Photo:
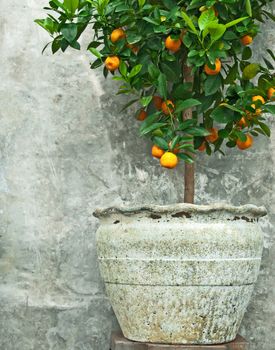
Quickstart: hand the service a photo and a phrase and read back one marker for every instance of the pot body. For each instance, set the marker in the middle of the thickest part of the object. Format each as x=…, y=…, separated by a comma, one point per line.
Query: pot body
x=180, y=274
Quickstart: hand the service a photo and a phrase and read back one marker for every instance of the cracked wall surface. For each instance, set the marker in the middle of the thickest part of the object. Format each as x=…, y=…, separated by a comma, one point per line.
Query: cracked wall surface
x=66, y=149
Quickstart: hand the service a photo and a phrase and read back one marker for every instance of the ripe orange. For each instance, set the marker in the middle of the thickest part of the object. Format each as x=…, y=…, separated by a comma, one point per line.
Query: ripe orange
x=258, y=98
x=245, y=144
x=215, y=71
x=246, y=40
x=258, y=111
x=117, y=35
x=213, y=136
x=271, y=93
x=142, y=115
x=172, y=45
x=202, y=147
x=242, y=123
x=157, y=152
x=157, y=102
x=112, y=63
x=169, y=160
x=167, y=107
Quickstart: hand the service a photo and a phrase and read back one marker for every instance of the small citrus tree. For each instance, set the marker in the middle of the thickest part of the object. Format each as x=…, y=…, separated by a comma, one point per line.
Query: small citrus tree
x=187, y=64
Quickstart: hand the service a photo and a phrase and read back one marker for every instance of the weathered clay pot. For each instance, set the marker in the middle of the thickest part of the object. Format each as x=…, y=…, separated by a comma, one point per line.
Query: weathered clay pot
x=180, y=273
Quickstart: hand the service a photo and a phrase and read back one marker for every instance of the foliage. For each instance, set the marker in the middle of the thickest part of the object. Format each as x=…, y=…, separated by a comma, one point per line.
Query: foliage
x=208, y=30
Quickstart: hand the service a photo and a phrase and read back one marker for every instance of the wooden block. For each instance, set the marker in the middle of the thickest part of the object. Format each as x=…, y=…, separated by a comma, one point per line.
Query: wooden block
x=119, y=342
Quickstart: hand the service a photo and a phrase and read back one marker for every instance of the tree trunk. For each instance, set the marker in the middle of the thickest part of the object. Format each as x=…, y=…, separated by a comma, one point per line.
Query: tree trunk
x=189, y=172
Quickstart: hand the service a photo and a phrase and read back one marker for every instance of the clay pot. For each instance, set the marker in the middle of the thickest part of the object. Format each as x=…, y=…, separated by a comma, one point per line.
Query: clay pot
x=180, y=274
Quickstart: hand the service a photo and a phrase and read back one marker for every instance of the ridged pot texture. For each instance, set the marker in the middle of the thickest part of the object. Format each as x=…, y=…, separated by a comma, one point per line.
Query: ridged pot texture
x=180, y=274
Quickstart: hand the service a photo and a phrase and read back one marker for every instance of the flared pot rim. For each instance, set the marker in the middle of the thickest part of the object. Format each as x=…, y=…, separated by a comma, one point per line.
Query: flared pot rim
x=249, y=210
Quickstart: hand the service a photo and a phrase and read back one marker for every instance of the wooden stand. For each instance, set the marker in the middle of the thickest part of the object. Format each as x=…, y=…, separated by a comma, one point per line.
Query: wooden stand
x=121, y=343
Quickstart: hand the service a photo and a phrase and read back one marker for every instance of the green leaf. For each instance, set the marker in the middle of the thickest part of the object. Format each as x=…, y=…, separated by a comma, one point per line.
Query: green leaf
x=133, y=37
x=129, y=104
x=248, y=7
x=161, y=142
x=48, y=24
x=174, y=142
x=186, y=124
x=247, y=53
x=212, y=84
x=153, y=71
x=135, y=70
x=123, y=68
x=151, y=128
x=236, y=21
x=216, y=30
x=146, y=100
x=169, y=72
x=232, y=74
x=235, y=109
x=69, y=31
x=240, y=135
x=222, y=115
x=162, y=85
x=97, y=63
x=182, y=105
x=151, y=20
x=205, y=18
x=149, y=120
x=189, y=22
x=71, y=5
x=197, y=131
x=186, y=157
x=269, y=109
x=95, y=52
x=265, y=128
x=141, y=3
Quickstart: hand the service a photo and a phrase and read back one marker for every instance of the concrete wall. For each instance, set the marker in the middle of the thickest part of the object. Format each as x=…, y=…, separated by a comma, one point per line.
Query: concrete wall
x=65, y=149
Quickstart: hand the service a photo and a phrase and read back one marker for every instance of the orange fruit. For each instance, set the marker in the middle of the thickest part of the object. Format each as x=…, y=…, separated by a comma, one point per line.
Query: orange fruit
x=246, y=40
x=242, y=123
x=169, y=160
x=117, y=35
x=258, y=111
x=172, y=44
x=112, y=63
x=258, y=98
x=271, y=93
x=215, y=71
x=213, y=135
x=157, y=102
x=245, y=144
x=202, y=147
x=142, y=115
x=167, y=107
x=157, y=152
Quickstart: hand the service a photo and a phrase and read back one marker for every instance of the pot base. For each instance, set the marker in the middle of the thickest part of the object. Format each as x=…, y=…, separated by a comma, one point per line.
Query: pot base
x=119, y=342
x=179, y=314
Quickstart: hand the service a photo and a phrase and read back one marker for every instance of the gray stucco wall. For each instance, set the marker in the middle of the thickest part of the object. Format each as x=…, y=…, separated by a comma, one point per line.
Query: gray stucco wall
x=65, y=149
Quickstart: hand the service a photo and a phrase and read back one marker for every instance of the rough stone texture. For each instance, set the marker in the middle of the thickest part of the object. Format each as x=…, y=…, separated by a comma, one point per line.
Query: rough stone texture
x=180, y=273
x=65, y=149
x=121, y=343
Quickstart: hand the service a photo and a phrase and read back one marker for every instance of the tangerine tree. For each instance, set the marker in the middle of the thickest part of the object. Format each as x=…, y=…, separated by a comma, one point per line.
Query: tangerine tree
x=188, y=66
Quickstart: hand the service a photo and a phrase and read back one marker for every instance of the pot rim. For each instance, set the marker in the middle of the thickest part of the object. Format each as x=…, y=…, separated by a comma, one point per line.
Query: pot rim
x=250, y=210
